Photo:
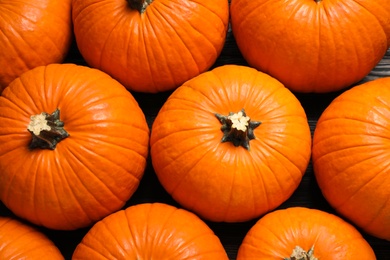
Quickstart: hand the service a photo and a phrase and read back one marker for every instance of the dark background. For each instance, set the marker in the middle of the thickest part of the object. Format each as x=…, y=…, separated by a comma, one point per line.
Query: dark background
x=231, y=235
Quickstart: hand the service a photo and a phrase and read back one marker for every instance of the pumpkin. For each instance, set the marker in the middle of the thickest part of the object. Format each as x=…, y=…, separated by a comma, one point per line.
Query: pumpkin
x=74, y=144
x=150, y=46
x=19, y=240
x=351, y=155
x=230, y=144
x=150, y=231
x=33, y=33
x=312, y=46
x=299, y=233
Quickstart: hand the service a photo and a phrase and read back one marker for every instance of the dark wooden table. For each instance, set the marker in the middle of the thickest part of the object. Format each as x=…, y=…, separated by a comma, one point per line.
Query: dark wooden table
x=231, y=235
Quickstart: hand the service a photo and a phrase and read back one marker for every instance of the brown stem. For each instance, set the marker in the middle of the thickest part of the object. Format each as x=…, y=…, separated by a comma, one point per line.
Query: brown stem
x=300, y=254
x=139, y=5
x=47, y=130
x=237, y=128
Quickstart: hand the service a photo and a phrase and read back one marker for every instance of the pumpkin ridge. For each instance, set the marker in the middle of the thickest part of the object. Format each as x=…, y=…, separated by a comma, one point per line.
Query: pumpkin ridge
x=159, y=44
x=374, y=16
x=88, y=167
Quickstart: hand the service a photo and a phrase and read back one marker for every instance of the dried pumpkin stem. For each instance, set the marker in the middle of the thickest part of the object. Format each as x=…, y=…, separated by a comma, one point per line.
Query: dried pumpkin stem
x=300, y=254
x=139, y=5
x=47, y=130
x=237, y=128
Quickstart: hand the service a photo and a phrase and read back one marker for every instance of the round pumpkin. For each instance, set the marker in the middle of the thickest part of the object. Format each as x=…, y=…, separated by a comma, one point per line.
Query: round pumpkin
x=150, y=231
x=299, y=233
x=230, y=144
x=19, y=240
x=312, y=46
x=351, y=154
x=73, y=148
x=33, y=33
x=151, y=45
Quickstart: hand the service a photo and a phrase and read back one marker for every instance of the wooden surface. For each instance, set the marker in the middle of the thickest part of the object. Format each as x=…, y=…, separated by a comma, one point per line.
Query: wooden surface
x=231, y=235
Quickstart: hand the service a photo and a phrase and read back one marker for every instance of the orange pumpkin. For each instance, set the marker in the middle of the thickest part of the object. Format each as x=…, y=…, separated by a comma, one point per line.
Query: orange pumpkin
x=73, y=148
x=351, y=155
x=312, y=46
x=150, y=231
x=151, y=46
x=33, y=33
x=299, y=233
x=231, y=144
x=18, y=240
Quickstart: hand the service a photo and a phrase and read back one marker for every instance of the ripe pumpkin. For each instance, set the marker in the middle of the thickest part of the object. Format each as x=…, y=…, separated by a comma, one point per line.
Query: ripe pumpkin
x=18, y=240
x=33, y=33
x=230, y=144
x=151, y=45
x=312, y=46
x=299, y=233
x=73, y=148
x=150, y=231
x=351, y=155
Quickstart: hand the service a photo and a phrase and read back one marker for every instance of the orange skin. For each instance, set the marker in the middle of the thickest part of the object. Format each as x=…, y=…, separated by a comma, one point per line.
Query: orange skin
x=21, y=241
x=312, y=46
x=150, y=231
x=351, y=155
x=33, y=33
x=276, y=234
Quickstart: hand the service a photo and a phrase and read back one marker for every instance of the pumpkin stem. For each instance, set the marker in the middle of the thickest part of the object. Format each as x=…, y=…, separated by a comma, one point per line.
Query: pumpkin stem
x=300, y=254
x=47, y=130
x=139, y=5
x=237, y=128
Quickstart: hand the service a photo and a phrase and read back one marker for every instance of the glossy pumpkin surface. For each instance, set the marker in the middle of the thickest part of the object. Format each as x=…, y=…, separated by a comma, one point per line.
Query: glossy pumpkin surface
x=33, y=33
x=151, y=45
x=93, y=170
x=312, y=46
x=216, y=175
x=303, y=233
x=150, y=231
x=351, y=155
x=21, y=241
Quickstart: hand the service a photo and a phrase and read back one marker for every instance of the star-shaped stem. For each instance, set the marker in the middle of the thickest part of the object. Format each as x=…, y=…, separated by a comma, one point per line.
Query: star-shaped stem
x=47, y=130
x=237, y=128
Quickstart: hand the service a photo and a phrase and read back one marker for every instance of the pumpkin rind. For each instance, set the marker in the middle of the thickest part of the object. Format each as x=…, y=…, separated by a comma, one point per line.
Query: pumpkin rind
x=217, y=180
x=33, y=33
x=150, y=231
x=351, y=154
x=89, y=174
x=312, y=46
x=18, y=240
x=327, y=236
x=153, y=51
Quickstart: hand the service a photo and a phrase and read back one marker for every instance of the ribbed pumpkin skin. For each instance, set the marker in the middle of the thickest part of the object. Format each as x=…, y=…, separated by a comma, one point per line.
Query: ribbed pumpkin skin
x=276, y=234
x=91, y=173
x=351, y=154
x=219, y=181
x=20, y=241
x=312, y=46
x=33, y=33
x=158, y=50
x=150, y=231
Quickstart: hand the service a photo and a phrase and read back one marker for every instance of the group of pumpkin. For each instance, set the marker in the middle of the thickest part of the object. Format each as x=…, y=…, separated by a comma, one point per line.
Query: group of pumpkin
x=230, y=144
